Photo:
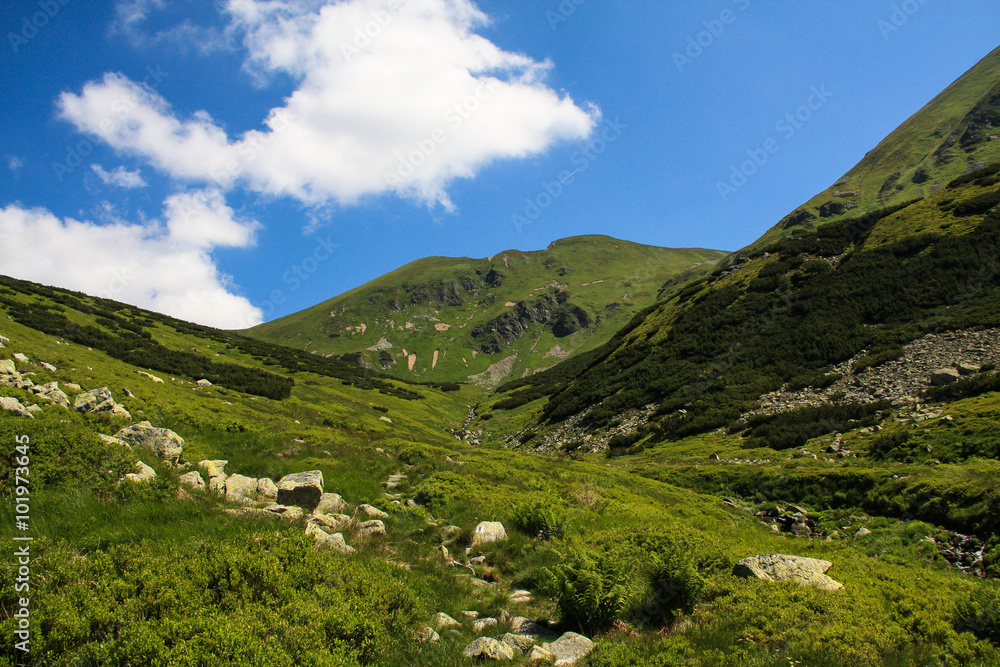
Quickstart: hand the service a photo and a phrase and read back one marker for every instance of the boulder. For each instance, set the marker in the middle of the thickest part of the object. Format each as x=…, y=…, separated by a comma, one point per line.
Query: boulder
x=488, y=648
x=49, y=367
x=488, y=531
x=72, y=386
x=13, y=405
x=481, y=624
x=7, y=367
x=22, y=358
x=523, y=626
x=441, y=621
x=373, y=527
x=215, y=468
x=944, y=376
x=240, y=489
x=303, y=489
x=779, y=567
x=335, y=541
x=113, y=409
x=204, y=383
x=540, y=654
x=89, y=400
x=267, y=489
x=427, y=634
x=163, y=442
x=52, y=393
x=520, y=642
x=329, y=522
x=193, y=479
x=151, y=377
x=143, y=473
x=111, y=440
x=520, y=597
x=862, y=532
x=570, y=648
x=284, y=511
x=967, y=368
x=372, y=512
x=331, y=503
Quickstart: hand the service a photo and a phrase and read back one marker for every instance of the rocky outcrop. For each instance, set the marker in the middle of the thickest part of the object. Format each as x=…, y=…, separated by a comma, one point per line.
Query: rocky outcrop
x=303, y=489
x=779, y=567
x=335, y=542
x=163, y=442
x=953, y=355
x=442, y=621
x=13, y=405
x=216, y=473
x=560, y=317
x=240, y=489
x=267, y=489
x=193, y=479
x=100, y=400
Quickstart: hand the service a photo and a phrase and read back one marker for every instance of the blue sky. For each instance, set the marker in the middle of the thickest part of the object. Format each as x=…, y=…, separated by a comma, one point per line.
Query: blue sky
x=236, y=161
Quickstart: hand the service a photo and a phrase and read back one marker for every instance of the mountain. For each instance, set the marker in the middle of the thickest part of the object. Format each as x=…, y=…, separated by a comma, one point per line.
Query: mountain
x=785, y=458
x=481, y=320
x=957, y=132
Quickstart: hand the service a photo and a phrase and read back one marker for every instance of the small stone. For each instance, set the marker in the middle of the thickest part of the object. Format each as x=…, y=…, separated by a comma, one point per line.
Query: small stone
x=488, y=531
x=570, y=648
x=331, y=503
x=862, y=532
x=143, y=473
x=373, y=512
x=193, y=479
x=427, y=634
x=373, y=527
x=483, y=623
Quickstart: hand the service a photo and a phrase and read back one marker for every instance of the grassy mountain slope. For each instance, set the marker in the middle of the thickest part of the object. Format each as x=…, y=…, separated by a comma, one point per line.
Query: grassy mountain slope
x=957, y=132
x=461, y=316
x=159, y=573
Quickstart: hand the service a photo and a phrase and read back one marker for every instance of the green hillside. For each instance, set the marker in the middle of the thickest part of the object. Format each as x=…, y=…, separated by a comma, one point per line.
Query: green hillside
x=448, y=319
x=957, y=132
x=127, y=572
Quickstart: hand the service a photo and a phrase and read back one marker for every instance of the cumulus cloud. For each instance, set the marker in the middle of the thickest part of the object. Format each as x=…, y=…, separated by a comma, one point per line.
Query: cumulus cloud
x=119, y=177
x=131, y=16
x=165, y=266
x=391, y=97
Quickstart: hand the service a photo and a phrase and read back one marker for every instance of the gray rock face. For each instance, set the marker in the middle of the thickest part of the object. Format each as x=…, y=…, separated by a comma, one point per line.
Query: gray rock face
x=143, y=473
x=335, y=541
x=22, y=358
x=520, y=642
x=193, y=479
x=522, y=626
x=51, y=392
x=7, y=367
x=488, y=531
x=303, y=489
x=373, y=527
x=329, y=522
x=944, y=376
x=89, y=400
x=13, y=405
x=539, y=654
x=163, y=442
x=290, y=513
x=49, y=367
x=442, y=621
x=331, y=503
x=373, y=512
x=240, y=489
x=779, y=567
x=488, y=648
x=570, y=648
x=267, y=489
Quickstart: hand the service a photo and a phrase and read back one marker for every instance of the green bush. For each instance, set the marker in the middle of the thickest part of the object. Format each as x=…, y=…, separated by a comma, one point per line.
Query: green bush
x=538, y=519
x=675, y=586
x=979, y=614
x=591, y=588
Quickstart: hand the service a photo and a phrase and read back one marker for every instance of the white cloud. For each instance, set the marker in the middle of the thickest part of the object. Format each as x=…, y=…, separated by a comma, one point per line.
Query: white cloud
x=391, y=97
x=119, y=177
x=131, y=16
x=163, y=266
x=14, y=163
